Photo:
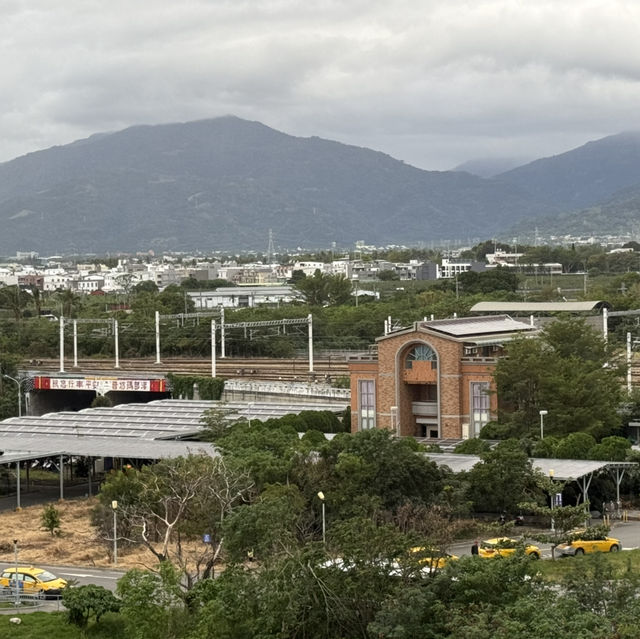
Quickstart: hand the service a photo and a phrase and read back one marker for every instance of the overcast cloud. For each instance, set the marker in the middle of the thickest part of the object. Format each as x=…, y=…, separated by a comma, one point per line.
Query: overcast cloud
x=431, y=82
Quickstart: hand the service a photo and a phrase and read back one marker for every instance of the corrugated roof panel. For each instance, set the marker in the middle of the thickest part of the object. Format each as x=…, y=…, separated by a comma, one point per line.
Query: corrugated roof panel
x=469, y=326
x=538, y=307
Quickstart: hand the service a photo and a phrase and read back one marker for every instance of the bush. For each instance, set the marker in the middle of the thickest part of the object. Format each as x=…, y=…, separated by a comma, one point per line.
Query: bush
x=208, y=387
x=84, y=602
x=495, y=430
x=50, y=519
x=472, y=446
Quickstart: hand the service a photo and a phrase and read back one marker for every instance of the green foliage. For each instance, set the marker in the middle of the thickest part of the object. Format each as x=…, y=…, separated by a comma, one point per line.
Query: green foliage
x=498, y=279
x=564, y=373
x=208, y=387
x=346, y=420
x=153, y=604
x=590, y=533
x=575, y=446
x=323, y=289
x=50, y=519
x=84, y=602
x=611, y=449
x=499, y=481
x=472, y=446
x=101, y=400
x=270, y=526
x=372, y=470
x=496, y=430
x=547, y=447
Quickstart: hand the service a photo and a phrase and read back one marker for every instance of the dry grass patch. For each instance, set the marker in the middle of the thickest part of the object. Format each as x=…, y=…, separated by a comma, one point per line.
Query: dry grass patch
x=77, y=544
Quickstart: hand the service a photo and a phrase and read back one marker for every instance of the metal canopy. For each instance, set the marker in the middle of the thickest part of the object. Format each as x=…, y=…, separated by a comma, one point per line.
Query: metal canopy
x=563, y=469
x=159, y=420
x=20, y=448
x=538, y=307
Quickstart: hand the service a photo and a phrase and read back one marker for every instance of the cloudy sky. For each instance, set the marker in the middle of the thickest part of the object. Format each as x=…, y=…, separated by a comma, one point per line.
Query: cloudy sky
x=431, y=82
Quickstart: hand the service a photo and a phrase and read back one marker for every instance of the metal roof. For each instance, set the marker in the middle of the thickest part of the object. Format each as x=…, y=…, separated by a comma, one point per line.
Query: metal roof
x=563, y=469
x=29, y=448
x=134, y=424
x=538, y=307
x=477, y=326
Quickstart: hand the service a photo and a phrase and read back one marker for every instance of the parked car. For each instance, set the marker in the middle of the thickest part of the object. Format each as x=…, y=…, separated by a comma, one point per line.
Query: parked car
x=33, y=581
x=504, y=547
x=581, y=542
x=432, y=558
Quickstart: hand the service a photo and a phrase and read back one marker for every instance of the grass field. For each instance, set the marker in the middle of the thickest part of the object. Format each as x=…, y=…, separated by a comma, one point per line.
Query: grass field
x=555, y=571
x=52, y=625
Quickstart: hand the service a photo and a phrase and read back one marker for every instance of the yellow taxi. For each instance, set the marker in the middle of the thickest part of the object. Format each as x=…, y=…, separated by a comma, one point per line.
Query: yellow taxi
x=432, y=558
x=33, y=581
x=504, y=547
x=584, y=541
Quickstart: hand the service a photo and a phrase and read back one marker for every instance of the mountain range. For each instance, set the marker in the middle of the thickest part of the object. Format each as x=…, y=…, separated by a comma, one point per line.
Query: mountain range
x=223, y=183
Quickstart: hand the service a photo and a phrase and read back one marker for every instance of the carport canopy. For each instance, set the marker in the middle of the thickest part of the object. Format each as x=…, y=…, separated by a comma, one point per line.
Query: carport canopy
x=580, y=471
x=18, y=449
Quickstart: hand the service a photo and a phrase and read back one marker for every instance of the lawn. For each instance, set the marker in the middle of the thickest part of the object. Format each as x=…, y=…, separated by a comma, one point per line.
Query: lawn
x=555, y=571
x=52, y=625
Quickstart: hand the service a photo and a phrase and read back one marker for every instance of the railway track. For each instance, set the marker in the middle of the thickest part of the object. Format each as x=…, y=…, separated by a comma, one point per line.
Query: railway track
x=265, y=369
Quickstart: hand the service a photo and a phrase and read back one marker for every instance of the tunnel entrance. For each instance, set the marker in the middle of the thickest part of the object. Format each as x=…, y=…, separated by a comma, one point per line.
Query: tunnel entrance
x=74, y=393
x=55, y=401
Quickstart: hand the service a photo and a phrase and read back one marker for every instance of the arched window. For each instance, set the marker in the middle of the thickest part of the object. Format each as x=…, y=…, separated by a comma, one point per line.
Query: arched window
x=421, y=353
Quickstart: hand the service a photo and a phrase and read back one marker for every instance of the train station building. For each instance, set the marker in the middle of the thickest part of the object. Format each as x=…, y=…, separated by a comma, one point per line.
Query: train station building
x=435, y=379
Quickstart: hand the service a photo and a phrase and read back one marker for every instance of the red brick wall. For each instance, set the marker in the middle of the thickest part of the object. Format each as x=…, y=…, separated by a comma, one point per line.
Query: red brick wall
x=454, y=377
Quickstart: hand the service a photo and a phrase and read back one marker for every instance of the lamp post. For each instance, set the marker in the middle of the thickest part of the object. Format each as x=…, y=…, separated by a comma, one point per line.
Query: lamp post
x=19, y=383
x=553, y=497
x=15, y=574
x=114, y=507
x=324, y=521
x=542, y=414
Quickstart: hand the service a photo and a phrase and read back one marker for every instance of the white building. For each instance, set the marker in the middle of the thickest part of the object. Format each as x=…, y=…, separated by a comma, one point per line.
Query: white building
x=243, y=296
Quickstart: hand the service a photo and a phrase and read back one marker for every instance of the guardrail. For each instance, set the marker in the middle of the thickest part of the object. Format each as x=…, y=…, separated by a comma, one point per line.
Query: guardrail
x=10, y=599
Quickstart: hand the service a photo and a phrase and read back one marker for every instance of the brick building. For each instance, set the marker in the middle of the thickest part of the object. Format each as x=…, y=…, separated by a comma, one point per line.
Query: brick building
x=434, y=379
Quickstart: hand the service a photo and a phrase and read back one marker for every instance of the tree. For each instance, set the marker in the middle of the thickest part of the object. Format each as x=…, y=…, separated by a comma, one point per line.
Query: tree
x=153, y=604
x=147, y=286
x=50, y=519
x=564, y=372
x=84, y=602
x=184, y=496
x=371, y=471
x=499, y=481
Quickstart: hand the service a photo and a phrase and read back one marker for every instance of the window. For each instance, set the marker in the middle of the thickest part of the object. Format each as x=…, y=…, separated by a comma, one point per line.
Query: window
x=480, y=407
x=421, y=353
x=367, y=404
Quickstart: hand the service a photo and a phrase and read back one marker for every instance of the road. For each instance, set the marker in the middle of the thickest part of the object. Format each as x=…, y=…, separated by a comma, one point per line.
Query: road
x=627, y=532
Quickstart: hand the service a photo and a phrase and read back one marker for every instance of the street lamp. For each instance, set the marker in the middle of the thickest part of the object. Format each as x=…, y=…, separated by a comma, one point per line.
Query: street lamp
x=15, y=574
x=114, y=507
x=542, y=414
x=324, y=521
x=553, y=497
x=19, y=383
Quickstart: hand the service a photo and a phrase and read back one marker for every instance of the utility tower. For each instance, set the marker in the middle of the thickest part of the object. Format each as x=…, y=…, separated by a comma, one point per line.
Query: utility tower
x=270, y=249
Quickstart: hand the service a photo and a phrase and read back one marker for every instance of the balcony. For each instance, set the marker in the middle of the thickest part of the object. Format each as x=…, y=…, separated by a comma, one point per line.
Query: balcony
x=424, y=409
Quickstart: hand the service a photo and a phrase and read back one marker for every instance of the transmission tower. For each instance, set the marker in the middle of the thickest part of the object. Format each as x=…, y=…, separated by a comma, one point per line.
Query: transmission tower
x=270, y=249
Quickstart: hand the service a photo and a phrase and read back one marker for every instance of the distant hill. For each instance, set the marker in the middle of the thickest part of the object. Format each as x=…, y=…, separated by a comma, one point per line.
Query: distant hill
x=223, y=183
x=583, y=177
x=489, y=167
x=617, y=216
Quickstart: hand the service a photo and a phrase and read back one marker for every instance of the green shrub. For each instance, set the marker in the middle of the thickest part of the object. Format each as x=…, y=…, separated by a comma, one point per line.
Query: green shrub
x=84, y=602
x=208, y=387
x=472, y=446
x=50, y=519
